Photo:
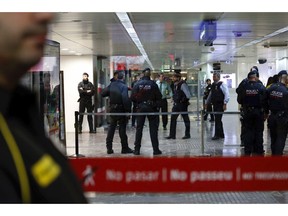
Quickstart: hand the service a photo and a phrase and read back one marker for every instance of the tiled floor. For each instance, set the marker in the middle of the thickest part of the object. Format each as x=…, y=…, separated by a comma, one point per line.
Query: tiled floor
x=93, y=145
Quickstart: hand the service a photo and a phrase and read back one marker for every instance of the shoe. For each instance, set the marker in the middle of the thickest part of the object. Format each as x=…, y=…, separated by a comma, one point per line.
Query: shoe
x=136, y=152
x=126, y=151
x=93, y=131
x=110, y=151
x=164, y=128
x=169, y=137
x=186, y=137
x=215, y=138
x=222, y=136
x=157, y=152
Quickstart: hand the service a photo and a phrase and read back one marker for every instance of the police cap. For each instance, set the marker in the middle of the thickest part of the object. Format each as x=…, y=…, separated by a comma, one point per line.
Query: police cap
x=254, y=68
x=252, y=74
x=282, y=72
x=146, y=70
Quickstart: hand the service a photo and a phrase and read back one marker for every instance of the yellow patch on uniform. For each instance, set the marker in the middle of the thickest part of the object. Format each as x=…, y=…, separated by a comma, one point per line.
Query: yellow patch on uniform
x=45, y=170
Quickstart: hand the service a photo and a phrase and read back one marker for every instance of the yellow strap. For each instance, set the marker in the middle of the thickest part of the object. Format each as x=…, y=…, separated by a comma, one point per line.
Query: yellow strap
x=18, y=160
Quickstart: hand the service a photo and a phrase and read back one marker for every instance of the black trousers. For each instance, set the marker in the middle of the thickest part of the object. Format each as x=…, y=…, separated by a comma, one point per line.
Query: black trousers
x=164, y=108
x=114, y=121
x=253, y=122
x=278, y=132
x=134, y=110
x=179, y=107
x=153, y=127
x=219, y=132
x=82, y=106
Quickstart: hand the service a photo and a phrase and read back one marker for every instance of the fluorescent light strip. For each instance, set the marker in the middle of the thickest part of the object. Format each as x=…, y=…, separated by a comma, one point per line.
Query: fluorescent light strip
x=125, y=21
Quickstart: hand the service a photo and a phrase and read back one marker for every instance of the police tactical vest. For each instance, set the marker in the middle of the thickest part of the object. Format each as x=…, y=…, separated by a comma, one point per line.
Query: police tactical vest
x=179, y=95
x=217, y=96
x=252, y=96
x=277, y=97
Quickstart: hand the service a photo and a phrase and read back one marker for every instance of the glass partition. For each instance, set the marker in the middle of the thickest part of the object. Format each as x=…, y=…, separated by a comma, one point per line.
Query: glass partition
x=44, y=80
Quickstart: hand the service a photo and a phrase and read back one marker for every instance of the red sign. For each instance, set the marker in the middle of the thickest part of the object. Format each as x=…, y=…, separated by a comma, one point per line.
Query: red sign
x=182, y=174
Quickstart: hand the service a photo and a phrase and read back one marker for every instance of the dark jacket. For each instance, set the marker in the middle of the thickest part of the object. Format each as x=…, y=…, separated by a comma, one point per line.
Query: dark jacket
x=277, y=95
x=50, y=177
x=146, y=90
x=117, y=91
x=252, y=94
x=83, y=88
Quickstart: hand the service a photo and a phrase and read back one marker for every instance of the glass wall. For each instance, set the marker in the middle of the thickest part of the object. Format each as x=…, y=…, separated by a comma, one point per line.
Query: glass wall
x=44, y=80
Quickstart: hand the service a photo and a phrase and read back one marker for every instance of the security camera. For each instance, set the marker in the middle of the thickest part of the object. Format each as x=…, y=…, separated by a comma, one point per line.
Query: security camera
x=237, y=34
x=262, y=60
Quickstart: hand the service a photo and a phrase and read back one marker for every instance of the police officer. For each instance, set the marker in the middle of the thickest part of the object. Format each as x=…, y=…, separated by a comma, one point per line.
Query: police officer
x=252, y=98
x=86, y=91
x=209, y=106
x=119, y=103
x=278, y=118
x=238, y=89
x=147, y=96
x=181, y=98
x=219, y=97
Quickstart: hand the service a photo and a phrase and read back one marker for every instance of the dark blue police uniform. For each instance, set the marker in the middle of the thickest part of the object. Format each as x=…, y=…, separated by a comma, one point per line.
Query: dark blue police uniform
x=252, y=97
x=147, y=96
x=278, y=118
x=119, y=103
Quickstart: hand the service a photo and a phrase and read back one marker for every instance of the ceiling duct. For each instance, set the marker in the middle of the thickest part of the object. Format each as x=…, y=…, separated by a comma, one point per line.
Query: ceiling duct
x=275, y=44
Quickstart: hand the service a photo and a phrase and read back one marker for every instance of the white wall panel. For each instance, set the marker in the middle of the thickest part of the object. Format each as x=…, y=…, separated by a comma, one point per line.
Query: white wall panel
x=74, y=67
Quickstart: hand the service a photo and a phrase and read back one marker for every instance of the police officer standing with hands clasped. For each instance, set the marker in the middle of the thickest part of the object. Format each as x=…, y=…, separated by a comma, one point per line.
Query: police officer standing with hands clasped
x=252, y=97
x=147, y=96
x=278, y=119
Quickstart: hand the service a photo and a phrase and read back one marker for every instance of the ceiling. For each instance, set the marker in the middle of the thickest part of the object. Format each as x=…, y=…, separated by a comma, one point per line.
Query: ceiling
x=166, y=35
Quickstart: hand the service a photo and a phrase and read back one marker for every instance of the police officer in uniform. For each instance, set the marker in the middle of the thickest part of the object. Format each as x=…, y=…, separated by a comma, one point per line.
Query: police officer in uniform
x=278, y=118
x=147, y=96
x=219, y=97
x=252, y=98
x=181, y=98
x=238, y=89
x=86, y=91
x=120, y=102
